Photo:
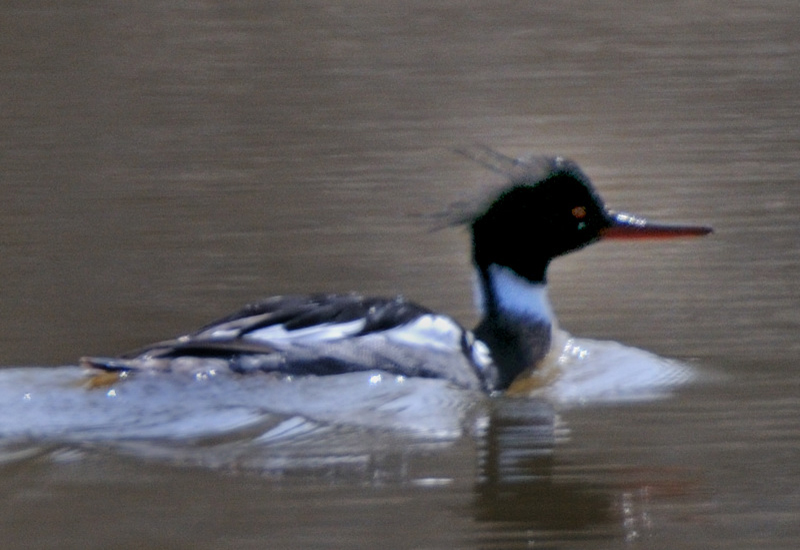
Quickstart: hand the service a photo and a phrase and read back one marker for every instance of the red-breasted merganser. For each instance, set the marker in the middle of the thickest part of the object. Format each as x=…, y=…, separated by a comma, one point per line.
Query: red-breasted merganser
x=548, y=208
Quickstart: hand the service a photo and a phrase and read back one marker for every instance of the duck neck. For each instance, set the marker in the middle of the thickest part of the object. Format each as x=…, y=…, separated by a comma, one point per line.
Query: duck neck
x=517, y=320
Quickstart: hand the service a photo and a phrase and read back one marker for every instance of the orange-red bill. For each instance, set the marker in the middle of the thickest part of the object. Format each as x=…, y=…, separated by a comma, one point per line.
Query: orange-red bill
x=625, y=226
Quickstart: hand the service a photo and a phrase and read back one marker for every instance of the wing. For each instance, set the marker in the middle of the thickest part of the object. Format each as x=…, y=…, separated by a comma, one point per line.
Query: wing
x=321, y=335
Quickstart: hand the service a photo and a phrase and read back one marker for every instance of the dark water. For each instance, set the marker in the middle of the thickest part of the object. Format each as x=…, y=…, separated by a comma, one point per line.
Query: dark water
x=163, y=163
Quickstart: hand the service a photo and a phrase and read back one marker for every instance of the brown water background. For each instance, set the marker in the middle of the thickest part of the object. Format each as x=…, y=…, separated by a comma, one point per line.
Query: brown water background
x=162, y=163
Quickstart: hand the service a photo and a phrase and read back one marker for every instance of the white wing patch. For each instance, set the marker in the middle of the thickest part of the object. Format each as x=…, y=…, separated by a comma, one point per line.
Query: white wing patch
x=217, y=334
x=430, y=331
x=278, y=335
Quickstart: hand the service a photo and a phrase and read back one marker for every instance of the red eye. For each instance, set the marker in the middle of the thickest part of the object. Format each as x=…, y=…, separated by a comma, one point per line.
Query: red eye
x=579, y=212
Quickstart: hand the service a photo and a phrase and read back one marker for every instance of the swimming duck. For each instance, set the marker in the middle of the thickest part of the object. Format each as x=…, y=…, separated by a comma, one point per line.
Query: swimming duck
x=547, y=208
